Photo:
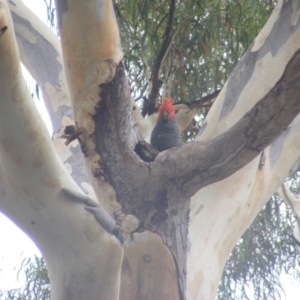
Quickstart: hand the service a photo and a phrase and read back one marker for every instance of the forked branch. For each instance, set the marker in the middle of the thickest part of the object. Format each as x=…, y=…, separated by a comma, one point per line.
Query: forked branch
x=195, y=165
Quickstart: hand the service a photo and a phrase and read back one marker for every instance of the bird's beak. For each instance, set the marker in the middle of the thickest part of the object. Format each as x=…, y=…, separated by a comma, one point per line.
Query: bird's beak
x=165, y=115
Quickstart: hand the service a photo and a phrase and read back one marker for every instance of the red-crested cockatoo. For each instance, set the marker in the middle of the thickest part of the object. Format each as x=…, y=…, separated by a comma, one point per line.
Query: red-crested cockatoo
x=165, y=134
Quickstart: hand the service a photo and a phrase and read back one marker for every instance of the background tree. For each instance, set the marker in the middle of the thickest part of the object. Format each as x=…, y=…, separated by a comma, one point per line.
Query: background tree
x=37, y=285
x=164, y=206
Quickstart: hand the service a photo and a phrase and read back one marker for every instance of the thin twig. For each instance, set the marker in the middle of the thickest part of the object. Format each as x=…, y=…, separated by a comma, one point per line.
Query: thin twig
x=198, y=103
x=149, y=105
x=191, y=128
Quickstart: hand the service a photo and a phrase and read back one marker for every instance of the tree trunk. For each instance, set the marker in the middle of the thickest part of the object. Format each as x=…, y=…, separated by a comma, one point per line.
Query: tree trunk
x=181, y=212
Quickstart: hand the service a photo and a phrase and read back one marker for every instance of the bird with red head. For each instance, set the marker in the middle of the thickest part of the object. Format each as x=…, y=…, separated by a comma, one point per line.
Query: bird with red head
x=165, y=134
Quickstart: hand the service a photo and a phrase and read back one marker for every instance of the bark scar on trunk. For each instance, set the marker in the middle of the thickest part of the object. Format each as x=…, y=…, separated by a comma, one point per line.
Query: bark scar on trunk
x=3, y=29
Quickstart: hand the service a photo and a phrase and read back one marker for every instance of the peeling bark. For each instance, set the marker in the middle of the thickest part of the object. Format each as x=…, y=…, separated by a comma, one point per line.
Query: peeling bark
x=147, y=194
x=40, y=52
x=177, y=174
x=224, y=210
x=65, y=233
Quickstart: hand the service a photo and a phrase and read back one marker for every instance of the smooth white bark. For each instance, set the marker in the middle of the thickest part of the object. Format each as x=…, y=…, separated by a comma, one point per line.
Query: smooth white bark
x=294, y=202
x=221, y=212
x=76, y=248
x=40, y=52
x=67, y=235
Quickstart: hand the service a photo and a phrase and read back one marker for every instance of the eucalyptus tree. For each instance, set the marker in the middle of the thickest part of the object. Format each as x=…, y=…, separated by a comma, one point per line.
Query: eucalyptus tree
x=123, y=221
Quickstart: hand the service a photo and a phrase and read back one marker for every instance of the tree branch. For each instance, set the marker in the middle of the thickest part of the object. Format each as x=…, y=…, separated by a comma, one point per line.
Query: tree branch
x=101, y=215
x=111, y=138
x=149, y=104
x=58, y=227
x=42, y=57
x=197, y=103
x=294, y=204
x=195, y=165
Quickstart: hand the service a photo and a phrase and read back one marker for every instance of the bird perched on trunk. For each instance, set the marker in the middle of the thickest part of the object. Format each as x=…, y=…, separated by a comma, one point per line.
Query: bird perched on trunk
x=165, y=134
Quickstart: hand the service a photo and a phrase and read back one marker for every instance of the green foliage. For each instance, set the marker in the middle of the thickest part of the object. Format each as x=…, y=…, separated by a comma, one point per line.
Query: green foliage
x=37, y=284
x=51, y=14
x=265, y=251
x=208, y=38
